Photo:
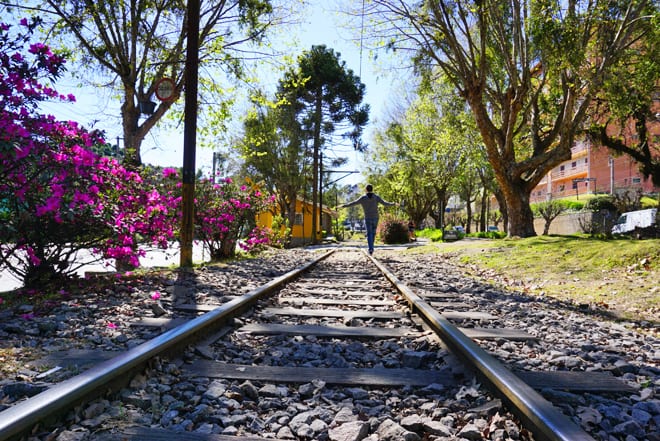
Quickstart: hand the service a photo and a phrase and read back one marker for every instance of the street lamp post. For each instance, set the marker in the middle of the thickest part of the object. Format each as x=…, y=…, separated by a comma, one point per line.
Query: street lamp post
x=610, y=161
x=577, y=181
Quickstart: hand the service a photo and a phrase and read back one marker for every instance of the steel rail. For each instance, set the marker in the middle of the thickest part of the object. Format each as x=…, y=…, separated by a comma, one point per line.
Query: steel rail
x=545, y=421
x=21, y=417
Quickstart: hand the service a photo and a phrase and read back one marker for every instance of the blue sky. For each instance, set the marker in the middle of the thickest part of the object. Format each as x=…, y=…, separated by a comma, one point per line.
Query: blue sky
x=96, y=108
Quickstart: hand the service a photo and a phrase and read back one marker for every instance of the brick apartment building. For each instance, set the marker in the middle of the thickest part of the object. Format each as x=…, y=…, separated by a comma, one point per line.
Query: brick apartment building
x=593, y=169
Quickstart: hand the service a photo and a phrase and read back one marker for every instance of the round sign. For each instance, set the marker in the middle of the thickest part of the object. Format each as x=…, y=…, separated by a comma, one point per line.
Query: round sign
x=165, y=89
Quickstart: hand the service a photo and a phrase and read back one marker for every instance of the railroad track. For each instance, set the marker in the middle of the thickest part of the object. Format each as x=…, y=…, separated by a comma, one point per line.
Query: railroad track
x=342, y=326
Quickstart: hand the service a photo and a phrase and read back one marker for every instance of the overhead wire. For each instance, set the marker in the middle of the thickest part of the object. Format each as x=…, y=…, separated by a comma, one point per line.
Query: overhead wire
x=361, y=36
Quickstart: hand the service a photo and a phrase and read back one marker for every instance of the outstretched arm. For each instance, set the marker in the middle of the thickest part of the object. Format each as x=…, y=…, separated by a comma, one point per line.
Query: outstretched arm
x=384, y=202
x=350, y=204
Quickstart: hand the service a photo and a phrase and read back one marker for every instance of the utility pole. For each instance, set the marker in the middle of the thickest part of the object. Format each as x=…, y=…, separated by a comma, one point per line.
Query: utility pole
x=328, y=184
x=320, y=192
x=189, y=136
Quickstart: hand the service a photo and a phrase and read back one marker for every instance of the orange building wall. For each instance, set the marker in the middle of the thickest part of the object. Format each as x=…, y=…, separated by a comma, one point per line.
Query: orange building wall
x=599, y=170
x=300, y=230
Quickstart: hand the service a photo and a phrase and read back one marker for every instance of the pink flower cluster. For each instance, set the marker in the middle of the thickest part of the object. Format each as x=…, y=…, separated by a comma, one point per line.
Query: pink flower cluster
x=225, y=212
x=56, y=194
x=257, y=239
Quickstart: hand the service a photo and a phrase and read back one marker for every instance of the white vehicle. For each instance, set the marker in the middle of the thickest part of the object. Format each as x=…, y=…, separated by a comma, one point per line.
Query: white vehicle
x=635, y=219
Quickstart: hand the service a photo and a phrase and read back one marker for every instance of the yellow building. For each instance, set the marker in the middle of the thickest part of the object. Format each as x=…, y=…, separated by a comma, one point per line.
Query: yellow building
x=301, y=230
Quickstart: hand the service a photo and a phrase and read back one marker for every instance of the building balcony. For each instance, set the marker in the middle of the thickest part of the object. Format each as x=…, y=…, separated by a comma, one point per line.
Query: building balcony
x=570, y=172
x=579, y=150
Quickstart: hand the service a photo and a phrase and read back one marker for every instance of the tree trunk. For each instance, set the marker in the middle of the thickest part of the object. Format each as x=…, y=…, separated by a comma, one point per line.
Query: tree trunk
x=468, y=210
x=484, y=210
x=546, y=227
x=291, y=220
x=441, y=196
x=499, y=196
x=291, y=212
x=520, y=216
x=436, y=219
x=130, y=115
x=134, y=132
x=287, y=204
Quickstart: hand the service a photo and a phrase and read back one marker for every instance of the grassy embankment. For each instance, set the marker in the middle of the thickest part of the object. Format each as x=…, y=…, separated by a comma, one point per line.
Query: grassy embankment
x=620, y=277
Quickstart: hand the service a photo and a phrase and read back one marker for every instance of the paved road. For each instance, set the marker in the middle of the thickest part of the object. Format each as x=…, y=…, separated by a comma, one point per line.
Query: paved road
x=154, y=257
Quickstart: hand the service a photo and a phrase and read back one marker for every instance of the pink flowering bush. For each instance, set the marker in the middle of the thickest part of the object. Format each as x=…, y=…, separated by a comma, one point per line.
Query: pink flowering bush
x=225, y=212
x=257, y=240
x=57, y=197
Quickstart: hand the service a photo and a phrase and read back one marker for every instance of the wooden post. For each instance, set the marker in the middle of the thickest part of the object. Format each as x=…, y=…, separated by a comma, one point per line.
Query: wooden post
x=190, y=135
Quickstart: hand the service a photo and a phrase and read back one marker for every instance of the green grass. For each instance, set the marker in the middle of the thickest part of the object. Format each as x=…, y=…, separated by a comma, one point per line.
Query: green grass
x=617, y=275
x=435, y=235
x=580, y=251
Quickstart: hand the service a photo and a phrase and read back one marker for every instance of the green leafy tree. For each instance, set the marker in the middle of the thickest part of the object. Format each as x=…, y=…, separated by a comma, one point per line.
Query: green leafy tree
x=406, y=180
x=528, y=71
x=326, y=97
x=401, y=167
x=549, y=211
x=131, y=45
x=426, y=149
x=274, y=149
x=626, y=102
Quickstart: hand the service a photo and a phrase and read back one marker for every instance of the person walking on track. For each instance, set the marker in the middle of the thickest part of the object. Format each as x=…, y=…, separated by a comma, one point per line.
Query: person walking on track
x=369, y=202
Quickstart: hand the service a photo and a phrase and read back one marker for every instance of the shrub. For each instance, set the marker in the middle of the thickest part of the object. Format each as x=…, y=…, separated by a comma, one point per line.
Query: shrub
x=281, y=233
x=564, y=204
x=434, y=234
x=392, y=230
x=489, y=234
x=573, y=205
x=600, y=203
x=598, y=224
x=649, y=202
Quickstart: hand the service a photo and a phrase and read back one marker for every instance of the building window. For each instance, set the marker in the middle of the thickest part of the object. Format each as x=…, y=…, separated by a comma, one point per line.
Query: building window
x=561, y=168
x=298, y=220
x=573, y=164
x=562, y=187
x=636, y=180
x=586, y=160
